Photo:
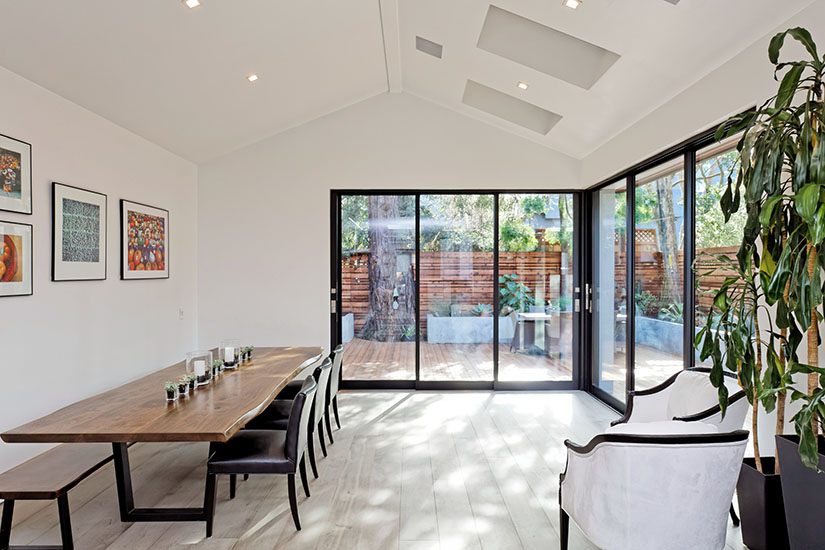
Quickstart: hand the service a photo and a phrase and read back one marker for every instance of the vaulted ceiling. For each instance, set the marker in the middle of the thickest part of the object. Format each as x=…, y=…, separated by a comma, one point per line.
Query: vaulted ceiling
x=177, y=76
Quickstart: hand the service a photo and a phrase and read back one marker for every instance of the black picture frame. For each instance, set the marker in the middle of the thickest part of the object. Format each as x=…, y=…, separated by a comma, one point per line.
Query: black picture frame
x=24, y=149
x=27, y=281
x=62, y=273
x=126, y=273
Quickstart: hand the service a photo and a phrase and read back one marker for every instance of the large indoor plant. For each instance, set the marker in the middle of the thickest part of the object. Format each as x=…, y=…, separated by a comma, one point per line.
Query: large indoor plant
x=781, y=185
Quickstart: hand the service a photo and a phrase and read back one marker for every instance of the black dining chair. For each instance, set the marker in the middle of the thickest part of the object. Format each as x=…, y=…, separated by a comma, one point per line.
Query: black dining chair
x=334, y=381
x=265, y=452
x=275, y=416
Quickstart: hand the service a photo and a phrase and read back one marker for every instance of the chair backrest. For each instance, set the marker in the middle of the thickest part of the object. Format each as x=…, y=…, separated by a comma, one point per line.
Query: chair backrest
x=335, y=375
x=298, y=424
x=672, y=491
x=692, y=393
x=322, y=379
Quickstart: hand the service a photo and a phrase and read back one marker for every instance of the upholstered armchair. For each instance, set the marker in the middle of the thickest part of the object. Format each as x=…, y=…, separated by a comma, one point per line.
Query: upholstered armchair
x=688, y=396
x=631, y=491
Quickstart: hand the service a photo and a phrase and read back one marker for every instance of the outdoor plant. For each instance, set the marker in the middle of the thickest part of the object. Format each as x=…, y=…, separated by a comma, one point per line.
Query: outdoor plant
x=647, y=303
x=407, y=333
x=674, y=313
x=781, y=186
x=482, y=310
x=514, y=294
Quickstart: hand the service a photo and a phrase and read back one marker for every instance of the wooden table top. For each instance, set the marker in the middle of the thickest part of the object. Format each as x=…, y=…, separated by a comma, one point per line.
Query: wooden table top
x=138, y=411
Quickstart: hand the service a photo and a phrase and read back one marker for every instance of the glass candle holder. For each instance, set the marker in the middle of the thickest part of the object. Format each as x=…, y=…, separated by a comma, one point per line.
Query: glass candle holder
x=198, y=363
x=229, y=352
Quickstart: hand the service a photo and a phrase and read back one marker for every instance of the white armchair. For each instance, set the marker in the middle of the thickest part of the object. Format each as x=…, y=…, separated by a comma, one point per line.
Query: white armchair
x=630, y=492
x=688, y=396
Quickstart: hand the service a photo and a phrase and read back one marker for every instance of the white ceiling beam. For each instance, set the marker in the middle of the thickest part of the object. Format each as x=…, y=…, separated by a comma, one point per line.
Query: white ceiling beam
x=392, y=43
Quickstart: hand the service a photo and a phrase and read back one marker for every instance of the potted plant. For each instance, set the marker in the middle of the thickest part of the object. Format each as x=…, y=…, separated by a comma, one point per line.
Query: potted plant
x=782, y=181
x=251, y=349
x=482, y=310
x=217, y=366
x=192, y=380
x=183, y=386
x=171, y=391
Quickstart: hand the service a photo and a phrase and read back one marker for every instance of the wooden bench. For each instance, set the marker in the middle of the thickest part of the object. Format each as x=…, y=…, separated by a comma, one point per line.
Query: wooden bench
x=50, y=476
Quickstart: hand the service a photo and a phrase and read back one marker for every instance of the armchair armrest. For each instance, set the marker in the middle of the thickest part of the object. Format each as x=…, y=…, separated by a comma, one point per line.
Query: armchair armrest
x=733, y=419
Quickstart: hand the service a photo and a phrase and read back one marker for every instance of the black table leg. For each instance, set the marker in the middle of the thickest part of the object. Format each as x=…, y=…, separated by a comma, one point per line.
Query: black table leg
x=126, y=499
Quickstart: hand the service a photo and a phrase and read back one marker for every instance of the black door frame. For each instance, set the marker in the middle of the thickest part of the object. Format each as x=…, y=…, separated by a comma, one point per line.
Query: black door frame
x=576, y=383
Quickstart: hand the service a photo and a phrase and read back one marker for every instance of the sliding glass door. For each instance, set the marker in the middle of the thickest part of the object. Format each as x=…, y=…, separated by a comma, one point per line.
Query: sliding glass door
x=456, y=289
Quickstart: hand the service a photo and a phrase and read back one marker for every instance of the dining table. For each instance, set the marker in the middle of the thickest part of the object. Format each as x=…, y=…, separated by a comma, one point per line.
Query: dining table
x=138, y=412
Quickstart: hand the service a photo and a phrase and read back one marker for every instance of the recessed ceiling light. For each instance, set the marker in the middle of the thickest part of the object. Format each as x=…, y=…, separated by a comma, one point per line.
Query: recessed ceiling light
x=523, y=85
x=192, y=3
x=252, y=77
x=572, y=4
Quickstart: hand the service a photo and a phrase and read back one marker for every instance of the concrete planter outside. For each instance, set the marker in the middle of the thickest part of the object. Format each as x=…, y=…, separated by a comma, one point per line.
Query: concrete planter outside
x=467, y=330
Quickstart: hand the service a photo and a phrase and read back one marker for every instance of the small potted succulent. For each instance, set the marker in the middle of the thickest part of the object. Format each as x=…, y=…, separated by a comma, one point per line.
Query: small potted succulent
x=192, y=379
x=183, y=386
x=249, y=351
x=171, y=391
x=217, y=367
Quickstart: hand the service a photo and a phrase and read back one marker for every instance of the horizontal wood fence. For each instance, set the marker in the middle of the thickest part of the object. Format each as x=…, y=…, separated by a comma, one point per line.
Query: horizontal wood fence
x=465, y=279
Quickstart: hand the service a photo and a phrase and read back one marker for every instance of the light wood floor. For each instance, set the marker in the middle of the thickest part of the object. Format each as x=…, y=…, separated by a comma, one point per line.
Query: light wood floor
x=408, y=471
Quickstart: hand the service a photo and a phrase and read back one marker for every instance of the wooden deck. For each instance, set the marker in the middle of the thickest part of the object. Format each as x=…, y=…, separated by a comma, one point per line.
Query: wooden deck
x=366, y=360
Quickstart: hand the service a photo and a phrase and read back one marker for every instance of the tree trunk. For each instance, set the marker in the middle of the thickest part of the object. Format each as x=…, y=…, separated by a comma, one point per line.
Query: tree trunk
x=392, y=294
x=668, y=240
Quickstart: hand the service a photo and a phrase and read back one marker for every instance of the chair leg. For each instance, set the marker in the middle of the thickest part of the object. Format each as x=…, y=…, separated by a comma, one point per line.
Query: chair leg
x=311, y=449
x=233, y=485
x=335, y=410
x=329, y=427
x=564, y=524
x=293, y=501
x=5, y=523
x=209, y=498
x=65, y=522
x=734, y=518
x=321, y=436
x=304, y=480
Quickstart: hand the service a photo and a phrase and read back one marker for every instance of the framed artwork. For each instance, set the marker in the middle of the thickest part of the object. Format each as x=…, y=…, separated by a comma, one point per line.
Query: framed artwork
x=15, y=175
x=15, y=259
x=144, y=246
x=78, y=234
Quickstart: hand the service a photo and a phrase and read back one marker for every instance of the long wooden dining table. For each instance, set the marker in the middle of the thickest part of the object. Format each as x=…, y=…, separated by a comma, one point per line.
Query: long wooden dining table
x=138, y=412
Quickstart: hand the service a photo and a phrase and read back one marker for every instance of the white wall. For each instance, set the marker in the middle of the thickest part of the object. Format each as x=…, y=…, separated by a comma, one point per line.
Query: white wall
x=71, y=340
x=742, y=82
x=269, y=204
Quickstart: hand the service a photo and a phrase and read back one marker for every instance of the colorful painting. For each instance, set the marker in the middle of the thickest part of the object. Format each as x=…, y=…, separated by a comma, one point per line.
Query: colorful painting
x=146, y=241
x=15, y=259
x=79, y=225
x=11, y=174
x=15, y=175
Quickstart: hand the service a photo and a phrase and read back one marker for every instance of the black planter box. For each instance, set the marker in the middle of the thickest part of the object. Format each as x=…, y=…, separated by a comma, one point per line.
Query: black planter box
x=803, y=490
x=760, y=506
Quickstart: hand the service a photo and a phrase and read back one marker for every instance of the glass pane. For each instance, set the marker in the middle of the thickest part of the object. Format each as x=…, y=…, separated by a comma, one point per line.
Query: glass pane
x=536, y=287
x=659, y=249
x=456, y=287
x=714, y=167
x=378, y=286
x=610, y=290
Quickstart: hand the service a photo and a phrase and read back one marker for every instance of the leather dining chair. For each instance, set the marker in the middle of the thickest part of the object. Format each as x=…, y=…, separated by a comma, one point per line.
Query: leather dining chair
x=276, y=416
x=266, y=452
x=334, y=382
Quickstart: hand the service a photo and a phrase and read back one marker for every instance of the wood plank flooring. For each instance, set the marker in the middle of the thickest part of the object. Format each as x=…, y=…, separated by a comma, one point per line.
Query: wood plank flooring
x=408, y=471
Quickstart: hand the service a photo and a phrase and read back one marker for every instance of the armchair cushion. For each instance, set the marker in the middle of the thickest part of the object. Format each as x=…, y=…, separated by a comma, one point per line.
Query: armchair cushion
x=672, y=427
x=692, y=392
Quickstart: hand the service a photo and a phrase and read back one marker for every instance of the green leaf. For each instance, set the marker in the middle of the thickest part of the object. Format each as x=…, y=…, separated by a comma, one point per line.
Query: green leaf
x=807, y=200
x=798, y=33
x=787, y=88
x=767, y=210
x=817, y=228
x=776, y=286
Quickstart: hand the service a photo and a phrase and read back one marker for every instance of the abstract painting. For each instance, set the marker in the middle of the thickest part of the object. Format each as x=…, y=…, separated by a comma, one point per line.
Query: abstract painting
x=15, y=175
x=144, y=241
x=15, y=259
x=79, y=238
